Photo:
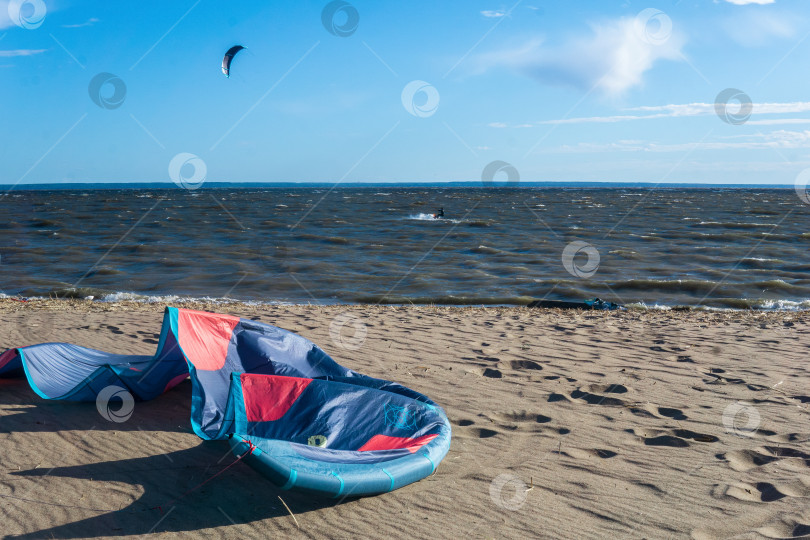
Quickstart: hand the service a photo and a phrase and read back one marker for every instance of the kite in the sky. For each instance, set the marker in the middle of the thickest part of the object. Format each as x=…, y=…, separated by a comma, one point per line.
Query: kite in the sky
x=226, y=62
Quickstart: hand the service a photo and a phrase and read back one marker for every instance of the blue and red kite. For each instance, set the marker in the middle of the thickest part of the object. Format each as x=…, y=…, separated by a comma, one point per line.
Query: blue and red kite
x=297, y=416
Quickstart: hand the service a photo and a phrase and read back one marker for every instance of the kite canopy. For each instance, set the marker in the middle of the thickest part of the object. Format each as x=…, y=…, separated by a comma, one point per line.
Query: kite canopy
x=298, y=417
x=226, y=62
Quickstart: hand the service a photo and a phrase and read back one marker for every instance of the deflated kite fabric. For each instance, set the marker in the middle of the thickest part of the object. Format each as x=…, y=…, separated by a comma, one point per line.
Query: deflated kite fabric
x=297, y=416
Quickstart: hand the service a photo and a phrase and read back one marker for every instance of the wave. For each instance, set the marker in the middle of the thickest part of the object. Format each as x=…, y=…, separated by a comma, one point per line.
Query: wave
x=448, y=300
x=486, y=250
x=626, y=253
x=759, y=262
x=785, y=305
x=422, y=217
x=429, y=217
x=734, y=225
x=338, y=240
x=775, y=284
x=667, y=285
x=175, y=299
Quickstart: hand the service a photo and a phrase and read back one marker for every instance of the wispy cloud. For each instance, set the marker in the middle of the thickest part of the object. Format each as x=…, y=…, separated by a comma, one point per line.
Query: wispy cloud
x=696, y=109
x=89, y=22
x=686, y=110
x=493, y=14
x=613, y=58
x=746, y=2
x=21, y=52
x=778, y=121
x=779, y=140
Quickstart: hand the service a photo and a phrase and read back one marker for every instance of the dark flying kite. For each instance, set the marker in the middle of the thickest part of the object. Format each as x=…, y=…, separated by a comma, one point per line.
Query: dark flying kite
x=226, y=62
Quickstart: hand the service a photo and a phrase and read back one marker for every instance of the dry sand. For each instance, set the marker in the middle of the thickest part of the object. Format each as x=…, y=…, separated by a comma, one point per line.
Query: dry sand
x=565, y=425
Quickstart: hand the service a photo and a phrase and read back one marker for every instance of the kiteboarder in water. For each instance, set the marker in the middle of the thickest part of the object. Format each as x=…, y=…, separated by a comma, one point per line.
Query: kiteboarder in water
x=440, y=214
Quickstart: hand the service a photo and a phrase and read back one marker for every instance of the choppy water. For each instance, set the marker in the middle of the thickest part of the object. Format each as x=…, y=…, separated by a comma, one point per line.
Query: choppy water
x=731, y=248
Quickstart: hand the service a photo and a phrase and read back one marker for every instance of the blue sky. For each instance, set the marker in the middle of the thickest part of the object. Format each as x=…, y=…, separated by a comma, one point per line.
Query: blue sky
x=591, y=90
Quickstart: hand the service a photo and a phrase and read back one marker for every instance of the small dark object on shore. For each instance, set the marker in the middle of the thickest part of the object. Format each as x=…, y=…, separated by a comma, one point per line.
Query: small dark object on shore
x=596, y=303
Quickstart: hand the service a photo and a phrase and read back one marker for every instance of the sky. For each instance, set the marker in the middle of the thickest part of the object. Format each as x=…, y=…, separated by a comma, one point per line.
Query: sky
x=674, y=91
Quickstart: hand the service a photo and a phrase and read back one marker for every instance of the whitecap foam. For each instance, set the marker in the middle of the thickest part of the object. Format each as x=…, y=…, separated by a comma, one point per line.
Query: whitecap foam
x=429, y=217
x=784, y=305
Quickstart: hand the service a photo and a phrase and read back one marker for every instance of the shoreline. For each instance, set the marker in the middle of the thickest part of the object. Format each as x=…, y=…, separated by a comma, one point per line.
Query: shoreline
x=11, y=304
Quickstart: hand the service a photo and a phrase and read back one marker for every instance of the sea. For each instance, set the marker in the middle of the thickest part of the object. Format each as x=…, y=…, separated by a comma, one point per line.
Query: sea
x=645, y=247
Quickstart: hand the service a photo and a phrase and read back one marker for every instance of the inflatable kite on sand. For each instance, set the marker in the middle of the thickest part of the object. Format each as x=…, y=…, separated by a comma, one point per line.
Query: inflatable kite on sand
x=292, y=412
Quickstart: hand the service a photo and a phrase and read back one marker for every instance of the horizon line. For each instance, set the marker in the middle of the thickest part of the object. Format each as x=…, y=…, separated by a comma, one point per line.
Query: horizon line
x=465, y=183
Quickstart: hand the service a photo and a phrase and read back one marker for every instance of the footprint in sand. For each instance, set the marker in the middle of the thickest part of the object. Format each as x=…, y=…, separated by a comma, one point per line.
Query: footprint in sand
x=490, y=373
x=594, y=399
x=521, y=416
x=579, y=453
x=695, y=436
x=785, y=528
x=764, y=491
x=719, y=379
x=676, y=438
x=666, y=440
x=519, y=420
x=605, y=388
x=524, y=364
x=761, y=492
x=468, y=431
x=744, y=460
x=478, y=433
x=653, y=411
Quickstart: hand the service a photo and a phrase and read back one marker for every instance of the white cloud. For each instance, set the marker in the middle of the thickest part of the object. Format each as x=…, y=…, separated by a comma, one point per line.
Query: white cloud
x=779, y=140
x=696, y=109
x=691, y=109
x=493, y=14
x=613, y=58
x=746, y=2
x=21, y=52
x=778, y=121
x=89, y=22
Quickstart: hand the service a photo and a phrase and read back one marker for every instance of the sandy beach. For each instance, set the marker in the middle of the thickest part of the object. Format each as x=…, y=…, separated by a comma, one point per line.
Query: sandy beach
x=566, y=424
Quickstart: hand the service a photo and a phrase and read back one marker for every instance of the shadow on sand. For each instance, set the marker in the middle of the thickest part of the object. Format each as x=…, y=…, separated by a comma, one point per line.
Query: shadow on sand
x=236, y=496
